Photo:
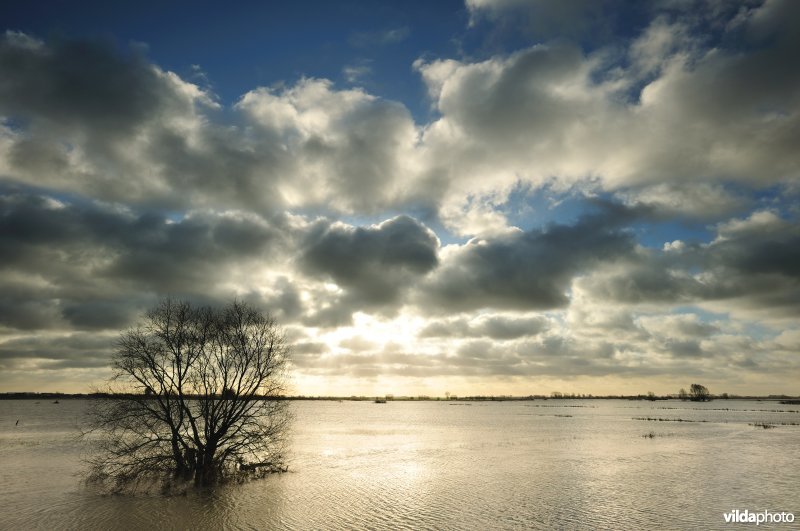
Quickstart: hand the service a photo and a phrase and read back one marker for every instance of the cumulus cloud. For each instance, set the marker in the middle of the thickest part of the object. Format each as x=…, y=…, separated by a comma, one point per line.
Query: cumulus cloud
x=682, y=326
x=57, y=352
x=89, y=266
x=121, y=182
x=374, y=264
x=349, y=150
x=498, y=326
x=668, y=108
x=752, y=264
x=86, y=117
x=530, y=270
x=705, y=201
x=87, y=86
x=83, y=116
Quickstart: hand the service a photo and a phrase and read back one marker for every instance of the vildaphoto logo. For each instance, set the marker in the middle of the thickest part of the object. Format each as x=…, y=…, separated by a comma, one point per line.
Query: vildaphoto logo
x=762, y=517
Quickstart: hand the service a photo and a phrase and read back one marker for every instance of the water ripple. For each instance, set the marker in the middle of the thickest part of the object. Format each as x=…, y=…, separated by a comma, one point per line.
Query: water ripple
x=427, y=466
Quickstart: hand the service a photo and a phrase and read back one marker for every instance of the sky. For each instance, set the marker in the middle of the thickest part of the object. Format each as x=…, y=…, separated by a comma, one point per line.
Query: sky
x=490, y=197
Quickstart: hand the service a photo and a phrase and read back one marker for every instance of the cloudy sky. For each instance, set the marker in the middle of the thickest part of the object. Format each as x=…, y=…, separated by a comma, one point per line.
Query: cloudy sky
x=497, y=196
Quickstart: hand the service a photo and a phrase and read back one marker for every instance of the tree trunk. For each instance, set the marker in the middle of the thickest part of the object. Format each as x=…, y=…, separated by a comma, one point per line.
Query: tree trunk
x=206, y=469
x=181, y=465
x=187, y=467
x=205, y=475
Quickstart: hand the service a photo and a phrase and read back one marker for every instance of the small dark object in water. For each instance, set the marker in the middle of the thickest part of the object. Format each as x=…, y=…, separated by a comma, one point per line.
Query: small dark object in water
x=55, y=402
x=16, y=423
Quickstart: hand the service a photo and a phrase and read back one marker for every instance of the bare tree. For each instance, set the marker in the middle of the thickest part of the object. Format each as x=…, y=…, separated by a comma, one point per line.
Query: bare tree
x=196, y=397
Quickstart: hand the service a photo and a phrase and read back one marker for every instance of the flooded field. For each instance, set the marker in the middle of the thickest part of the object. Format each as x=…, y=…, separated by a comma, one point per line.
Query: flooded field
x=442, y=465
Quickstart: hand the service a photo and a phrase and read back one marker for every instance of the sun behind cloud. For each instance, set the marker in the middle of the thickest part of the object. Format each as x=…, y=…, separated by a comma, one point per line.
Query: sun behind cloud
x=539, y=200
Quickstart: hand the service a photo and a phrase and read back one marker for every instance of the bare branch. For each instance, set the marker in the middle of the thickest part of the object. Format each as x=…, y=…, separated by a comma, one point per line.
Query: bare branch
x=200, y=388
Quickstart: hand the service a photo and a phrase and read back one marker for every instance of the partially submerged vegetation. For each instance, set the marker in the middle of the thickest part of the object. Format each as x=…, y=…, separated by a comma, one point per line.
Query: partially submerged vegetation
x=197, y=403
x=653, y=435
x=662, y=419
x=768, y=425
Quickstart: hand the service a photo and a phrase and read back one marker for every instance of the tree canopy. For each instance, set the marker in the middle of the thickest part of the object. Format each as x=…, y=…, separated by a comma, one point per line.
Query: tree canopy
x=699, y=393
x=202, y=396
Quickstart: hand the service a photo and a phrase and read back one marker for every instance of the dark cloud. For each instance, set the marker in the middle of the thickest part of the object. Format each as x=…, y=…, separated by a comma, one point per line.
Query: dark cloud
x=283, y=301
x=549, y=356
x=88, y=117
x=306, y=354
x=333, y=314
x=100, y=314
x=697, y=329
x=681, y=111
x=85, y=85
x=218, y=166
x=374, y=264
x=528, y=270
x=763, y=254
x=753, y=261
x=139, y=185
x=684, y=348
x=31, y=314
x=86, y=266
x=644, y=282
x=184, y=255
x=60, y=351
x=497, y=327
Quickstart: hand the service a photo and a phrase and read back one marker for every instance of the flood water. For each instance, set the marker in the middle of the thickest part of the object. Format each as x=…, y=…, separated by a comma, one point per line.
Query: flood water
x=574, y=464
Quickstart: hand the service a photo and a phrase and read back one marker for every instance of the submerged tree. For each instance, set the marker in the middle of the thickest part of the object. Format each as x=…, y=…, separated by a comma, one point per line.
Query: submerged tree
x=196, y=393
x=699, y=393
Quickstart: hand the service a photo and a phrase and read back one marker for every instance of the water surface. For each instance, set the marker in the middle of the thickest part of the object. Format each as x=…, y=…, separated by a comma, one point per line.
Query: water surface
x=442, y=465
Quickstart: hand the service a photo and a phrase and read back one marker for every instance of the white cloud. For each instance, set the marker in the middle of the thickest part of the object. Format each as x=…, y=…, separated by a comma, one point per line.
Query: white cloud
x=681, y=326
x=758, y=223
x=356, y=73
x=691, y=200
x=349, y=150
x=657, y=43
x=656, y=126
x=704, y=118
x=366, y=39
